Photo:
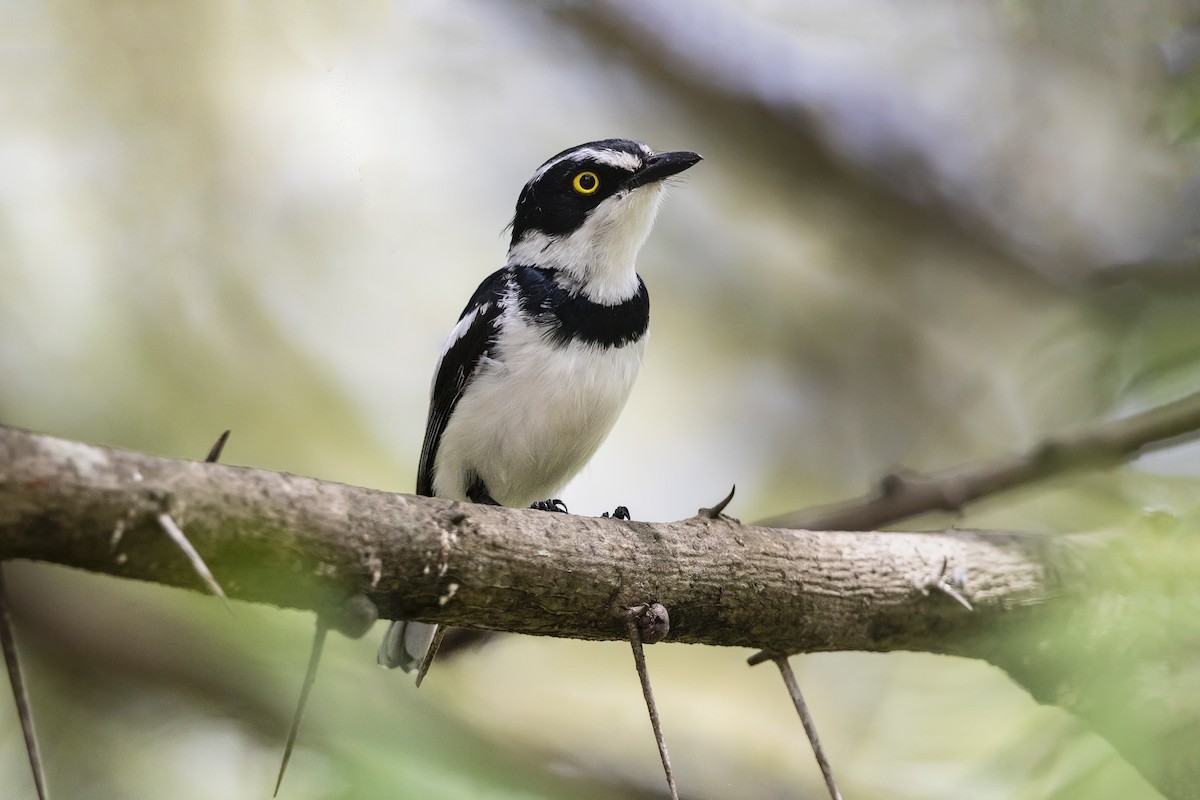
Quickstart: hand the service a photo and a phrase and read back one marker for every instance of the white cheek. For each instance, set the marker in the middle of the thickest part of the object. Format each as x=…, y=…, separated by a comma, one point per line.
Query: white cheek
x=601, y=254
x=623, y=221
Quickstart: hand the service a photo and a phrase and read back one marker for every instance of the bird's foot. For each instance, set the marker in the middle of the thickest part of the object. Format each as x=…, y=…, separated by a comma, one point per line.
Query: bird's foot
x=621, y=512
x=477, y=492
x=555, y=505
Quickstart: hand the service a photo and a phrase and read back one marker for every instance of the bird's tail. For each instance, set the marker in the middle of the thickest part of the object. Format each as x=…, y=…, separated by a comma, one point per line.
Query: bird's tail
x=405, y=644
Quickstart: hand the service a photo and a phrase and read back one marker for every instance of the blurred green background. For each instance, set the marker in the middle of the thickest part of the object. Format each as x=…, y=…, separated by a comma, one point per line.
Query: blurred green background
x=923, y=233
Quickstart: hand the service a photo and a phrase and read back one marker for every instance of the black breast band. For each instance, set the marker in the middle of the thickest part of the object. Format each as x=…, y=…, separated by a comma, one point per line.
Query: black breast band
x=571, y=317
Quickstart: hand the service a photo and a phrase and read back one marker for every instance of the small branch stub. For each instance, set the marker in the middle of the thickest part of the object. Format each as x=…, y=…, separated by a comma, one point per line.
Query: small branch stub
x=355, y=617
x=653, y=622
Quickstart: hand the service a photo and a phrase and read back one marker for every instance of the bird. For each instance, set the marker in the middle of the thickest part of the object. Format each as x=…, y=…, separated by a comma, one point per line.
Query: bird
x=543, y=358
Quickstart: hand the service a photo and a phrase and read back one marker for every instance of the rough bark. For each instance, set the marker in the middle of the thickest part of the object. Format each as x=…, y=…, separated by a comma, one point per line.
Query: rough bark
x=304, y=543
x=1098, y=624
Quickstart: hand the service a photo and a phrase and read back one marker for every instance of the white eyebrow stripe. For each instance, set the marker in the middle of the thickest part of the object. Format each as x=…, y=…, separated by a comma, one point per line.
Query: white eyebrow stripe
x=620, y=159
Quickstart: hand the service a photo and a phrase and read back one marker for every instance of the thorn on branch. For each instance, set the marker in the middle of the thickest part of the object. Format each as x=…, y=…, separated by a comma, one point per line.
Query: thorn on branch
x=214, y=453
x=20, y=696
x=715, y=511
x=353, y=618
x=310, y=677
x=427, y=661
x=947, y=585
x=652, y=617
x=810, y=727
x=167, y=523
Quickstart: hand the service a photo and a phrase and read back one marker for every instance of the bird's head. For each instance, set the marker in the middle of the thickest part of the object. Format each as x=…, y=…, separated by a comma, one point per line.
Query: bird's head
x=587, y=211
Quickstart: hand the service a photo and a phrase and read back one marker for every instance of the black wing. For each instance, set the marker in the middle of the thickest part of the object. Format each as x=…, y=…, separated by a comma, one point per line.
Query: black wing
x=465, y=349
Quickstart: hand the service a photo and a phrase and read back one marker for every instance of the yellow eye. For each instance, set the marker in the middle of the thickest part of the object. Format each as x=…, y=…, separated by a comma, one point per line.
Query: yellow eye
x=586, y=183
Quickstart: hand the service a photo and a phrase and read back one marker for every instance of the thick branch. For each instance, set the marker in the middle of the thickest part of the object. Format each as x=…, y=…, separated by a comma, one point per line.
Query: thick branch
x=1046, y=608
x=299, y=542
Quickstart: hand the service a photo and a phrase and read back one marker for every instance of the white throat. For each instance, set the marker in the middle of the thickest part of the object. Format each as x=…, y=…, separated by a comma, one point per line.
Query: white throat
x=599, y=257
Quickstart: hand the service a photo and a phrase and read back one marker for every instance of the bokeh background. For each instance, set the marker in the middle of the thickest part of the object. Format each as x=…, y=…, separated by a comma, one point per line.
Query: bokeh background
x=924, y=233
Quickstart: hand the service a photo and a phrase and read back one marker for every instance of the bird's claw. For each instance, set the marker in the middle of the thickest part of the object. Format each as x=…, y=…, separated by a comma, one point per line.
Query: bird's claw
x=621, y=512
x=555, y=505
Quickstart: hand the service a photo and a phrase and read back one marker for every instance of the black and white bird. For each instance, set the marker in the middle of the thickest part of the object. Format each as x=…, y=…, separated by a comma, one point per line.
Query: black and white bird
x=544, y=356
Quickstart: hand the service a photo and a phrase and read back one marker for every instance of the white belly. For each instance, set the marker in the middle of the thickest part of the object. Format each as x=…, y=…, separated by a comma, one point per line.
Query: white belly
x=533, y=416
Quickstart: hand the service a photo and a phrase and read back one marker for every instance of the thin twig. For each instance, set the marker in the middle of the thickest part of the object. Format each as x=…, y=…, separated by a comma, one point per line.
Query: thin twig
x=639, y=660
x=167, y=523
x=20, y=696
x=1102, y=444
x=810, y=727
x=310, y=677
x=901, y=496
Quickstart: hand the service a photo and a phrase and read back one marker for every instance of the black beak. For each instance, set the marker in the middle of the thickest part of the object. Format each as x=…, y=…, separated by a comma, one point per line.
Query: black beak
x=662, y=165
